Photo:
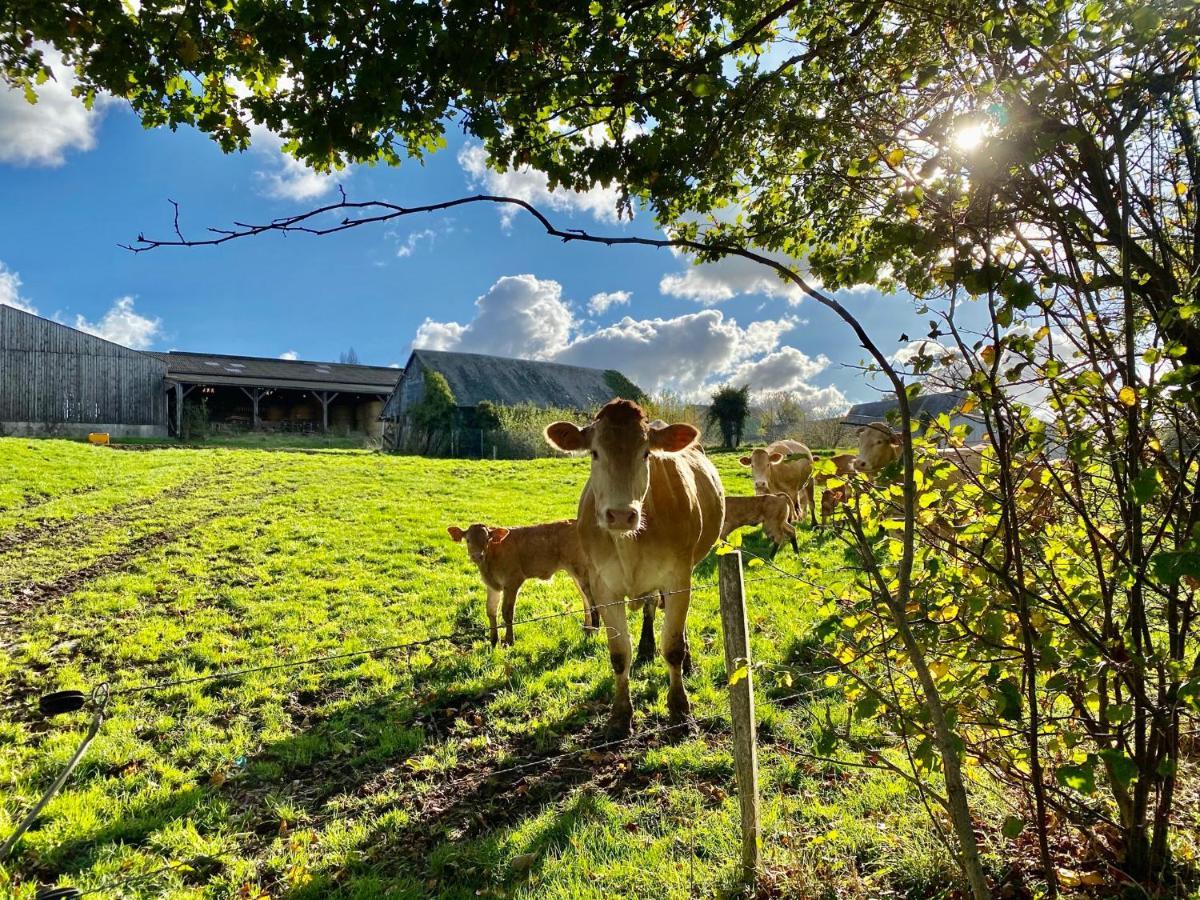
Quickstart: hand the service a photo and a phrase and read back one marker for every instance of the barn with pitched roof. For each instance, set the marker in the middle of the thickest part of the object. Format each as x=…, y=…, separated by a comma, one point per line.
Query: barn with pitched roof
x=924, y=408
x=503, y=381
x=476, y=377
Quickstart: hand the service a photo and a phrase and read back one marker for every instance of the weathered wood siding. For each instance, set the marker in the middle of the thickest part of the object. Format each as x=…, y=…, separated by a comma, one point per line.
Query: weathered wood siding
x=54, y=375
x=408, y=392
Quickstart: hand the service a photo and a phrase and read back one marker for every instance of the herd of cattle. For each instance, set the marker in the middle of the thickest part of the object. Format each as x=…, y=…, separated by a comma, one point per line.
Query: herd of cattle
x=652, y=508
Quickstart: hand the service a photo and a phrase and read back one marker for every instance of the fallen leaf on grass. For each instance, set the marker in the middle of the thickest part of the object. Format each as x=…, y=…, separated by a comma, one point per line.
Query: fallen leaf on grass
x=523, y=863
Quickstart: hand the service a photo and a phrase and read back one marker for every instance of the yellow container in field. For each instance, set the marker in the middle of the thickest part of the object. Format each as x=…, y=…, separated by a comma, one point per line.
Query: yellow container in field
x=98, y=437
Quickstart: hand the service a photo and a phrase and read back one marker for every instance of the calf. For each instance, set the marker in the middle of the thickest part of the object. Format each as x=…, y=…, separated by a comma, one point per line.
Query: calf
x=508, y=557
x=774, y=473
x=652, y=508
x=773, y=511
x=832, y=498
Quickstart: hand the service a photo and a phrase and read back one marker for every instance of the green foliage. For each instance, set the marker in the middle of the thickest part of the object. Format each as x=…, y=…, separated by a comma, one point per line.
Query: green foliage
x=436, y=411
x=487, y=416
x=194, y=421
x=622, y=387
x=729, y=410
x=671, y=408
x=520, y=433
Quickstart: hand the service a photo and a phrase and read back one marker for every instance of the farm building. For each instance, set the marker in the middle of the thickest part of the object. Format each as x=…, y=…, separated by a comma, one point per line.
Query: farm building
x=57, y=380
x=278, y=394
x=924, y=408
x=475, y=377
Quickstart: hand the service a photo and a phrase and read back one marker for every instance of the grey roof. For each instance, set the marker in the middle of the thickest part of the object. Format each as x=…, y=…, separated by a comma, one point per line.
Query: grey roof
x=258, y=371
x=923, y=405
x=475, y=377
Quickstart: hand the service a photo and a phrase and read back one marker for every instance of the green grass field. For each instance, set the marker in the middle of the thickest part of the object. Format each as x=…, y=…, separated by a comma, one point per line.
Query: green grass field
x=366, y=777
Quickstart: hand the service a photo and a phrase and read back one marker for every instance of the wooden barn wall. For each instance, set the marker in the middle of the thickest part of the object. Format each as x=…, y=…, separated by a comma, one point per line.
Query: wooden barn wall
x=51, y=374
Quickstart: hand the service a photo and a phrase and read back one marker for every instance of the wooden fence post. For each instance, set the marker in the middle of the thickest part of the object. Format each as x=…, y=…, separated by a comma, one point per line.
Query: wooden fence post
x=741, y=702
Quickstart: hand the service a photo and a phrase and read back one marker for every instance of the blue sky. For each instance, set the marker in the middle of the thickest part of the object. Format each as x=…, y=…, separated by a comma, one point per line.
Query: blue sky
x=76, y=185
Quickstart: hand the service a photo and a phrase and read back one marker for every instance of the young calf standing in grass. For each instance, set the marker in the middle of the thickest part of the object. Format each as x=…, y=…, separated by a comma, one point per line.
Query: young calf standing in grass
x=651, y=509
x=508, y=557
x=773, y=511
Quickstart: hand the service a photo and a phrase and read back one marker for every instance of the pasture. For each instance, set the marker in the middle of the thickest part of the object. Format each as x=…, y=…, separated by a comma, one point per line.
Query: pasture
x=368, y=776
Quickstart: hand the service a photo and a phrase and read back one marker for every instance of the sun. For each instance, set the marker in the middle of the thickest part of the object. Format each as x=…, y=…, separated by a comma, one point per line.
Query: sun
x=968, y=137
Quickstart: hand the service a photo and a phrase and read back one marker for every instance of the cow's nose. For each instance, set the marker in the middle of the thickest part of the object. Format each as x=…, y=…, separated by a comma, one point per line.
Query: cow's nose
x=859, y=465
x=623, y=518
x=760, y=487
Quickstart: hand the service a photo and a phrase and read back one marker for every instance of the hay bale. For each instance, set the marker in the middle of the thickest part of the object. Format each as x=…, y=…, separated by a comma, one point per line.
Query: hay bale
x=367, y=418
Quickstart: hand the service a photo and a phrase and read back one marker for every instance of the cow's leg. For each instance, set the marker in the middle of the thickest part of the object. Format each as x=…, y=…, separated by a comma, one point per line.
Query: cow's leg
x=687, y=648
x=620, y=651
x=674, y=650
x=645, y=651
x=493, y=607
x=811, y=496
x=510, y=603
x=591, y=615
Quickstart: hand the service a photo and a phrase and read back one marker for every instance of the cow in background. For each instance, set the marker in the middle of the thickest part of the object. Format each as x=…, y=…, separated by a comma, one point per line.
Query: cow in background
x=775, y=473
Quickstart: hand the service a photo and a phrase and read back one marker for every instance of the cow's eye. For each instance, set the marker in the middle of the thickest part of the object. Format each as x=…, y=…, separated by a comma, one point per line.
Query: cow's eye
x=595, y=455
x=646, y=455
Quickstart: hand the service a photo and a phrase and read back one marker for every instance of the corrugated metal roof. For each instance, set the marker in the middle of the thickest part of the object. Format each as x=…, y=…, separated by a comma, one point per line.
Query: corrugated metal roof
x=475, y=377
x=923, y=405
x=267, y=372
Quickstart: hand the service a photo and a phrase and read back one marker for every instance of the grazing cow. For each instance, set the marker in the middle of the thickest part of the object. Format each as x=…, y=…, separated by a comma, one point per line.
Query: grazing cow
x=651, y=509
x=774, y=474
x=508, y=557
x=832, y=498
x=773, y=511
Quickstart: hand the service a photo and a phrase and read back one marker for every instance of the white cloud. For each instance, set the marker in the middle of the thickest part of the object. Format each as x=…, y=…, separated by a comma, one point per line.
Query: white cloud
x=726, y=278
x=526, y=184
x=41, y=133
x=288, y=178
x=122, y=325
x=520, y=315
x=605, y=300
x=289, y=354
x=395, y=366
x=691, y=354
x=414, y=239
x=788, y=369
x=10, y=291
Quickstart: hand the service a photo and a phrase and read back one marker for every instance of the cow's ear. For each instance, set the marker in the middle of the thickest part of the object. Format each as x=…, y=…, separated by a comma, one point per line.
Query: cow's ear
x=496, y=535
x=565, y=436
x=455, y=532
x=776, y=457
x=673, y=438
x=745, y=460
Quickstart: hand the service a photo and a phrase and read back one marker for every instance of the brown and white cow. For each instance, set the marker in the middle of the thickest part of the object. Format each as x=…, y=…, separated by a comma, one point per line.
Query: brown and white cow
x=879, y=445
x=773, y=511
x=774, y=473
x=508, y=557
x=651, y=509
